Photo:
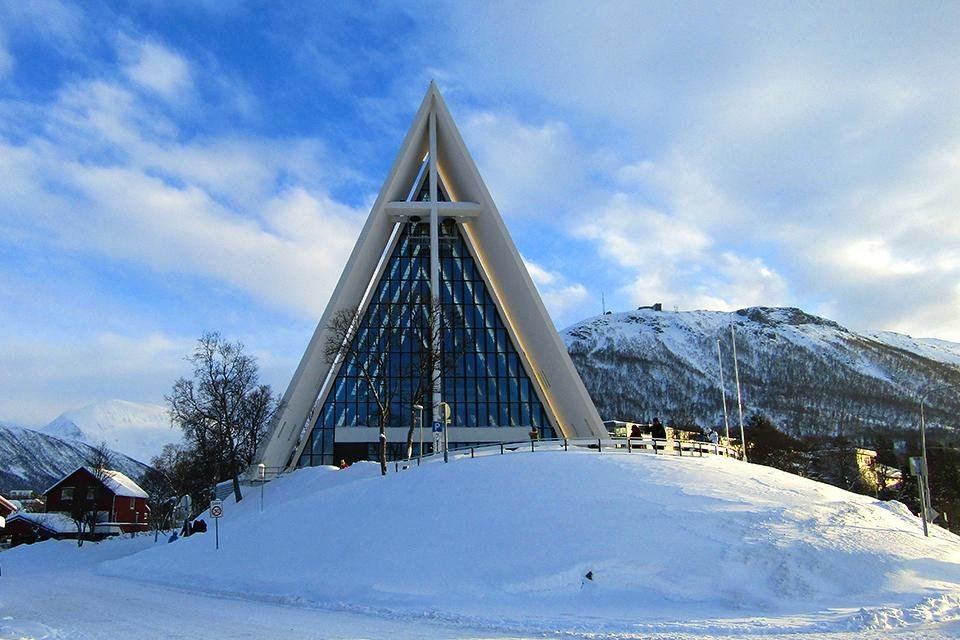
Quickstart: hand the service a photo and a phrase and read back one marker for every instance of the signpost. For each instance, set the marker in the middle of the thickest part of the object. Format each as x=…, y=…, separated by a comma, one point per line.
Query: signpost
x=918, y=469
x=216, y=511
x=262, y=473
x=445, y=416
x=437, y=429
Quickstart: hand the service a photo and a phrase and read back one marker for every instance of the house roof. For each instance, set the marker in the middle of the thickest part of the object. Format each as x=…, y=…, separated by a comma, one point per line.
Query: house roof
x=122, y=485
x=118, y=483
x=52, y=522
x=7, y=505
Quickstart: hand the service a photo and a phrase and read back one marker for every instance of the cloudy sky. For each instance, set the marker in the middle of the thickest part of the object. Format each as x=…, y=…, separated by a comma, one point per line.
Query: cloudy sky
x=169, y=168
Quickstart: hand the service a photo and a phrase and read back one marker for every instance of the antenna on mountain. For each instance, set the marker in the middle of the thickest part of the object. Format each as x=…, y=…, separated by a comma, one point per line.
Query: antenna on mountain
x=736, y=372
x=723, y=392
x=603, y=304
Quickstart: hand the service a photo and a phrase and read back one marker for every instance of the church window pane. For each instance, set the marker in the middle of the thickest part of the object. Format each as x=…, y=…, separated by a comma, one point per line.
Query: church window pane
x=485, y=382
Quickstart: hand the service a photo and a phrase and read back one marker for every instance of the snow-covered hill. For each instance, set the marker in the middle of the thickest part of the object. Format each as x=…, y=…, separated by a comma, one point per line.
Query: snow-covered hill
x=691, y=547
x=33, y=460
x=806, y=372
x=137, y=429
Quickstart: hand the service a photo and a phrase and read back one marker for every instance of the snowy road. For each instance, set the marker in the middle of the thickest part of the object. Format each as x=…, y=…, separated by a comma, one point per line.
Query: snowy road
x=82, y=605
x=85, y=605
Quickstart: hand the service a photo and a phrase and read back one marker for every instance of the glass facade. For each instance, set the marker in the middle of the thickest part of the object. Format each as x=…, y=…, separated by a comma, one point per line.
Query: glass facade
x=483, y=379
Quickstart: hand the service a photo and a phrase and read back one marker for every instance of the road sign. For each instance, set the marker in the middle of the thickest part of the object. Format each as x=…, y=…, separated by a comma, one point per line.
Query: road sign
x=916, y=466
x=438, y=427
x=444, y=411
x=216, y=508
x=932, y=514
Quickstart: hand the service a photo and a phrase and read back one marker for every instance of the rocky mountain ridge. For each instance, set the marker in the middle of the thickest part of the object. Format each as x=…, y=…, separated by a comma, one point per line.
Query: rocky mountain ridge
x=807, y=373
x=34, y=460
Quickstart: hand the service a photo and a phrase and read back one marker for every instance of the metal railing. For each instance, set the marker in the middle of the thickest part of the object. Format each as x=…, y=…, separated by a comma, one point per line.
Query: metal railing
x=655, y=446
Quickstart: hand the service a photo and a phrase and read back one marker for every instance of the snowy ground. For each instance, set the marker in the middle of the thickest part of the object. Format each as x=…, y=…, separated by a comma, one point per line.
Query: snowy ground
x=497, y=547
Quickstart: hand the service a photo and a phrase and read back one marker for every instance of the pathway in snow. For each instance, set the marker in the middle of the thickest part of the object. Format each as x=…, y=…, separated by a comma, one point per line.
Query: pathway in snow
x=81, y=605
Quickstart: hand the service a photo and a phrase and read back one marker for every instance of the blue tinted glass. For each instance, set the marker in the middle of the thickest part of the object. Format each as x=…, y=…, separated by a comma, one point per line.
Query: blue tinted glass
x=483, y=380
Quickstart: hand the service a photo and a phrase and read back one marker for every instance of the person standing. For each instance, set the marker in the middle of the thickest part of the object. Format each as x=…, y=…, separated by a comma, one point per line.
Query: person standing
x=657, y=430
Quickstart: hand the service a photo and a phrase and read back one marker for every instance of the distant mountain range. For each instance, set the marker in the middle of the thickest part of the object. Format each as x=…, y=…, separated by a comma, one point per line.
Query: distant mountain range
x=808, y=374
x=137, y=429
x=36, y=458
x=33, y=460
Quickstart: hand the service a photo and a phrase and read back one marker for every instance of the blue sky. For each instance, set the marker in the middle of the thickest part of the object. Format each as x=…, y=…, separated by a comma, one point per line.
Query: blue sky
x=168, y=168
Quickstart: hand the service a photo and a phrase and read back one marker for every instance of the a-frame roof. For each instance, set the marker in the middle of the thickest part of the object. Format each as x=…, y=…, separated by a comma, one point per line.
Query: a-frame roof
x=116, y=482
x=571, y=410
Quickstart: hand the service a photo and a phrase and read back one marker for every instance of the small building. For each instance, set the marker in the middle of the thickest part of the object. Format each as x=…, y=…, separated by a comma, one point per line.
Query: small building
x=27, y=499
x=854, y=468
x=27, y=528
x=115, y=502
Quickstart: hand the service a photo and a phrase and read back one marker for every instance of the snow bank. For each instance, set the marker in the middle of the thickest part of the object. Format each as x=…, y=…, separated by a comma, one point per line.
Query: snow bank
x=511, y=537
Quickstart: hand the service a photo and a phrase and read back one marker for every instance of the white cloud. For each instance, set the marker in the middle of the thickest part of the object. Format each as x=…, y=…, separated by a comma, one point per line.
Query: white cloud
x=42, y=378
x=873, y=256
x=6, y=58
x=210, y=208
x=157, y=69
x=636, y=235
x=672, y=261
x=529, y=169
x=564, y=300
x=55, y=24
x=541, y=277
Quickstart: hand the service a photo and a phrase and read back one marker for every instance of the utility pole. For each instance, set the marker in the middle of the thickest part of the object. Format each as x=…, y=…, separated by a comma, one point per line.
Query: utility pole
x=736, y=372
x=723, y=392
x=926, y=507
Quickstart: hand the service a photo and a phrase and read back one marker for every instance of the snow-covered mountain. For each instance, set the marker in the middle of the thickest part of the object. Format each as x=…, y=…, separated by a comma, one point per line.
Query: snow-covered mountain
x=137, y=429
x=807, y=373
x=33, y=460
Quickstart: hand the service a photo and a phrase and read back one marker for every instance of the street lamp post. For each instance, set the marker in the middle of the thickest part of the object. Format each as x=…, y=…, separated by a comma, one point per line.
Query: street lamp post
x=926, y=508
x=419, y=409
x=262, y=472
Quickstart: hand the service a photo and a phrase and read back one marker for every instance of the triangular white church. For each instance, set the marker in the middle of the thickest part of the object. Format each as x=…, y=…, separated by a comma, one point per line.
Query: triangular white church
x=434, y=234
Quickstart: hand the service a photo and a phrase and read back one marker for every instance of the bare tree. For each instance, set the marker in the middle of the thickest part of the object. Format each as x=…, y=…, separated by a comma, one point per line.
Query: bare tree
x=84, y=507
x=223, y=410
x=100, y=459
x=437, y=350
x=368, y=349
x=160, y=499
x=418, y=330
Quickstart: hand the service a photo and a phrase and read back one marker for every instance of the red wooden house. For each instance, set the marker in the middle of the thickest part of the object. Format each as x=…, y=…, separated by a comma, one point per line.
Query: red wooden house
x=119, y=504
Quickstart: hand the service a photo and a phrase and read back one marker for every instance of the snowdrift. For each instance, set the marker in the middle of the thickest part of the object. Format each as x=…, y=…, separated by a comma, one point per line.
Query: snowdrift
x=668, y=541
